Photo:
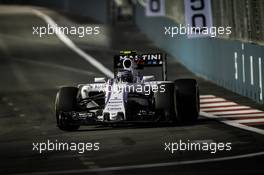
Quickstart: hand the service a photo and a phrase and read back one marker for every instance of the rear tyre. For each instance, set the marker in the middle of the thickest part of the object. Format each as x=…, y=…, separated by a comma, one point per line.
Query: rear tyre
x=187, y=100
x=66, y=101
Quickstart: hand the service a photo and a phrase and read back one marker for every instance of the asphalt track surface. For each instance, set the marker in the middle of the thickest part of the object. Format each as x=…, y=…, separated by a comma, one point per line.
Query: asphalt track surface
x=31, y=71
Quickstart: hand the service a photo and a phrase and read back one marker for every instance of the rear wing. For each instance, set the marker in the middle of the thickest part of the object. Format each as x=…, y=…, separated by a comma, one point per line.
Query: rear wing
x=142, y=60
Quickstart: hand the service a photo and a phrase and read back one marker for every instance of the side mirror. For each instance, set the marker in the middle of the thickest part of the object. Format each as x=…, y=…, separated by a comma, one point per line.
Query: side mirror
x=99, y=79
x=148, y=78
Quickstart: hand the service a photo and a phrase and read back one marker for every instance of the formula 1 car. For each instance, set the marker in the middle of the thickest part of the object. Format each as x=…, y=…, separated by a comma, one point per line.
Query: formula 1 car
x=129, y=97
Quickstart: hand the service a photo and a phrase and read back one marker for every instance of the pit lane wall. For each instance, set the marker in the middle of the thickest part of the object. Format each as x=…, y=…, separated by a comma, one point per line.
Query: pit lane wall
x=235, y=65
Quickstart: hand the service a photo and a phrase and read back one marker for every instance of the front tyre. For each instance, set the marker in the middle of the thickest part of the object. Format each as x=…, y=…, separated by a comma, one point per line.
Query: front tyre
x=66, y=101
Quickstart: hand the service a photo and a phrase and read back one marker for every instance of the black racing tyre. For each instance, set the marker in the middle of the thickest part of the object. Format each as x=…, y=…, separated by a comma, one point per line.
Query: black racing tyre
x=164, y=101
x=187, y=100
x=66, y=101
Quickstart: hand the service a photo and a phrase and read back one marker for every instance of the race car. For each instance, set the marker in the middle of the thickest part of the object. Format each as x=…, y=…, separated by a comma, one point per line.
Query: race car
x=129, y=97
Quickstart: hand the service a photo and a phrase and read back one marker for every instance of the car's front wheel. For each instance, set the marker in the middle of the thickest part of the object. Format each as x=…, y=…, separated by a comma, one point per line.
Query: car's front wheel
x=66, y=101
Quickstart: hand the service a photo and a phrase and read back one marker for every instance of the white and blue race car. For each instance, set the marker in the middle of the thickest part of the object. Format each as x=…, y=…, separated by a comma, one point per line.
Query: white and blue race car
x=129, y=97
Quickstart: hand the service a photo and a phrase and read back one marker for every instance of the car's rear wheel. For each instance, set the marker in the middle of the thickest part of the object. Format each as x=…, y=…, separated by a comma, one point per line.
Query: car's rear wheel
x=66, y=101
x=187, y=100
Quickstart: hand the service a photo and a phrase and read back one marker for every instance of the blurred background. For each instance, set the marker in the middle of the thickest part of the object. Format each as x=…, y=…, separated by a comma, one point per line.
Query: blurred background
x=244, y=16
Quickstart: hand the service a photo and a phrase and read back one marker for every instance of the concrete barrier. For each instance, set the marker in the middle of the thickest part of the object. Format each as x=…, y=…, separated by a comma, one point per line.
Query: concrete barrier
x=232, y=64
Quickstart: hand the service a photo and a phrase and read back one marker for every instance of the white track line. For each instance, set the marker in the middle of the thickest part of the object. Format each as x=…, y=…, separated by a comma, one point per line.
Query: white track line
x=243, y=115
x=225, y=108
x=233, y=123
x=144, y=166
x=212, y=100
x=235, y=112
x=217, y=104
x=245, y=127
x=72, y=46
x=249, y=120
x=207, y=96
